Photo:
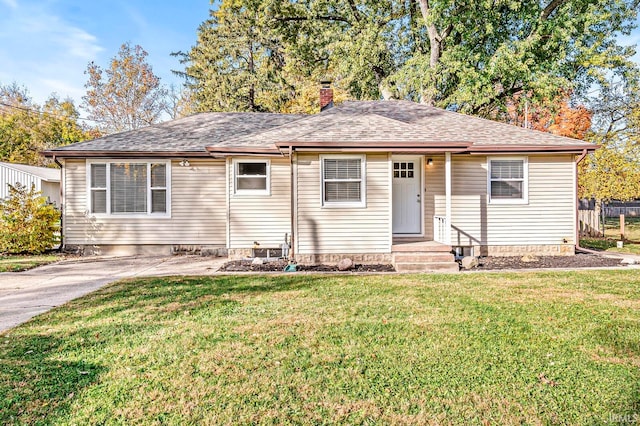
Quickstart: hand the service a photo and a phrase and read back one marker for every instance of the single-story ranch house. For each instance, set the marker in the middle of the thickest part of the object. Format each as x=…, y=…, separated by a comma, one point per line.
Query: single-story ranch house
x=375, y=181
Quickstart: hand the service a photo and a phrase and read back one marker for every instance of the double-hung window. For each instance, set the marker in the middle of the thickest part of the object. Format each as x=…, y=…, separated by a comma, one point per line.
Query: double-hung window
x=129, y=188
x=508, y=180
x=343, y=181
x=251, y=177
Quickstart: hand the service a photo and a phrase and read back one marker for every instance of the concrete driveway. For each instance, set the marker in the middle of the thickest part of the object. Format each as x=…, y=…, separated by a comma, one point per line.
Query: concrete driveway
x=24, y=295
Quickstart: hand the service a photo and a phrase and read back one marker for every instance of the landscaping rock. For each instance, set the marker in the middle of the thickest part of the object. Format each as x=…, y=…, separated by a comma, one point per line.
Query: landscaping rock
x=469, y=262
x=345, y=264
x=279, y=265
x=257, y=261
x=628, y=261
x=529, y=258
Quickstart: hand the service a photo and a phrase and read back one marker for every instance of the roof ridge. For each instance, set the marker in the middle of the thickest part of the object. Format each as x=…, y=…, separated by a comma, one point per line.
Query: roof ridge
x=267, y=131
x=511, y=127
x=503, y=124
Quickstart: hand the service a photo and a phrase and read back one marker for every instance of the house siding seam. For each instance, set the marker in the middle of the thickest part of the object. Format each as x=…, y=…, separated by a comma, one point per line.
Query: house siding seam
x=197, y=213
x=343, y=230
x=261, y=218
x=547, y=219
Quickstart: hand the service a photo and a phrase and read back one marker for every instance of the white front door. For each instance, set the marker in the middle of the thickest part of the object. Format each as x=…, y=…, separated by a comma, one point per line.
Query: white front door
x=407, y=195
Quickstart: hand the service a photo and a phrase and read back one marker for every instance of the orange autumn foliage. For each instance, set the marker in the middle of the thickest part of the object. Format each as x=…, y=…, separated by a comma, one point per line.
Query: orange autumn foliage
x=565, y=120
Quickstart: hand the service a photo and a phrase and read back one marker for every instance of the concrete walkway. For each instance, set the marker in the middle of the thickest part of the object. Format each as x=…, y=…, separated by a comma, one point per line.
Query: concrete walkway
x=24, y=295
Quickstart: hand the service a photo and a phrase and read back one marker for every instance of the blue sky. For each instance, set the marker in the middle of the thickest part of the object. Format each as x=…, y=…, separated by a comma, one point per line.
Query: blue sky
x=46, y=45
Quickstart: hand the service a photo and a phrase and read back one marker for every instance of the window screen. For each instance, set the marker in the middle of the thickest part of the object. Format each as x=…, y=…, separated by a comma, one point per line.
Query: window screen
x=98, y=188
x=342, y=180
x=128, y=188
x=251, y=176
x=507, y=179
x=135, y=188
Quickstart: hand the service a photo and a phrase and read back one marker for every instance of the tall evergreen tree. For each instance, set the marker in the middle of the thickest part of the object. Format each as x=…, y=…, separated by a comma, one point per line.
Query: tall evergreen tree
x=238, y=62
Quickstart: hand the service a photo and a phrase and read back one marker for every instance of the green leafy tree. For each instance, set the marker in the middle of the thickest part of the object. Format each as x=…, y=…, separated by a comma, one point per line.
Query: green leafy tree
x=26, y=128
x=127, y=94
x=613, y=171
x=468, y=56
x=28, y=224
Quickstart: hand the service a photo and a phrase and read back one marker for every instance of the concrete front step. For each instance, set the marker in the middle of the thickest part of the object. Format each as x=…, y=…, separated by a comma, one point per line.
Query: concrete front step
x=421, y=246
x=426, y=267
x=422, y=257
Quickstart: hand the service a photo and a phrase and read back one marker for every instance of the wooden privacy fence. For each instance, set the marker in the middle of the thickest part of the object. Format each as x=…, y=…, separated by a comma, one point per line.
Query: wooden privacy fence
x=589, y=221
x=616, y=211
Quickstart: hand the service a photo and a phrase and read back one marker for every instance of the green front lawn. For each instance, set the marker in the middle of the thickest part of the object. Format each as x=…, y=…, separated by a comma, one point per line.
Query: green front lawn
x=508, y=348
x=25, y=262
x=631, y=228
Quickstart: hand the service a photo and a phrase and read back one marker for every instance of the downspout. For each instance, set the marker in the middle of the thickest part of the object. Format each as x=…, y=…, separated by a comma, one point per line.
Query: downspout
x=292, y=203
x=577, y=236
x=55, y=160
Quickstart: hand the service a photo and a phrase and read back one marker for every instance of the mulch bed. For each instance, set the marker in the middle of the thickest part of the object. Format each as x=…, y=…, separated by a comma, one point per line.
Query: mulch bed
x=580, y=260
x=279, y=265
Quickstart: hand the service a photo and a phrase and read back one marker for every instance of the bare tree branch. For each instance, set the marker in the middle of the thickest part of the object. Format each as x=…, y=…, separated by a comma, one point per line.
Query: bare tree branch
x=551, y=7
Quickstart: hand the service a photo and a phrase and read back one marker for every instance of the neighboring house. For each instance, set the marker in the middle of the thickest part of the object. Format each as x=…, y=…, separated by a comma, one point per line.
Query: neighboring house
x=376, y=181
x=45, y=179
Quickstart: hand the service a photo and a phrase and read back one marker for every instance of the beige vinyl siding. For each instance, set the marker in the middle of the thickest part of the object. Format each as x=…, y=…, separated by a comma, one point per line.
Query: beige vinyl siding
x=198, y=210
x=261, y=218
x=51, y=191
x=322, y=230
x=547, y=218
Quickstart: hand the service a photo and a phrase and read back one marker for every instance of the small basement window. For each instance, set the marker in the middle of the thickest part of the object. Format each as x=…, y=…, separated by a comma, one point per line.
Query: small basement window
x=251, y=177
x=508, y=180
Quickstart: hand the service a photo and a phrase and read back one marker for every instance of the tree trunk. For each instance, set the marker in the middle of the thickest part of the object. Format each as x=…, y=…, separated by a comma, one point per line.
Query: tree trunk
x=436, y=41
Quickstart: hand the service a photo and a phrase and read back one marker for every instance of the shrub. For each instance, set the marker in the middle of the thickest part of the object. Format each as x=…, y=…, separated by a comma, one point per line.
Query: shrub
x=28, y=224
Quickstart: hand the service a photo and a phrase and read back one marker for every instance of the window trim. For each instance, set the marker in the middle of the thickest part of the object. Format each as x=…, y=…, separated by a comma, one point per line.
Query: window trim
x=525, y=180
x=243, y=192
x=148, y=162
x=363, y=182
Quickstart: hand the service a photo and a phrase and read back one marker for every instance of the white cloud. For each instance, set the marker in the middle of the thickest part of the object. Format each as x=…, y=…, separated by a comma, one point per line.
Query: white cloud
x=44, y=52
x=12, y=4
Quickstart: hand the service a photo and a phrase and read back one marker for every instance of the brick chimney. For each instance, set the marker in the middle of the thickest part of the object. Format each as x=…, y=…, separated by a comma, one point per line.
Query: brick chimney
x=326, y=95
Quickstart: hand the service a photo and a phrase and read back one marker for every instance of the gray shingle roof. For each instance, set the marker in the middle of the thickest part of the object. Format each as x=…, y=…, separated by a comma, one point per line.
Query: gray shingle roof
x=439, y=125
x=352, y=123
x=334, y=126
x=189, y=134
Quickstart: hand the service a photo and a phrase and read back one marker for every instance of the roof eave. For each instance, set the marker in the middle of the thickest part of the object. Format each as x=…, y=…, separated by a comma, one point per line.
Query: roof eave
x=560, y=149
x=124, y=154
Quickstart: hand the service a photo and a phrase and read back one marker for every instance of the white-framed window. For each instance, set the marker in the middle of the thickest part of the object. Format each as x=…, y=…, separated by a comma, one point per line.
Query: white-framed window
x=343, y=180
x=508, y=180
x=129, y=187
x=251, y=177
